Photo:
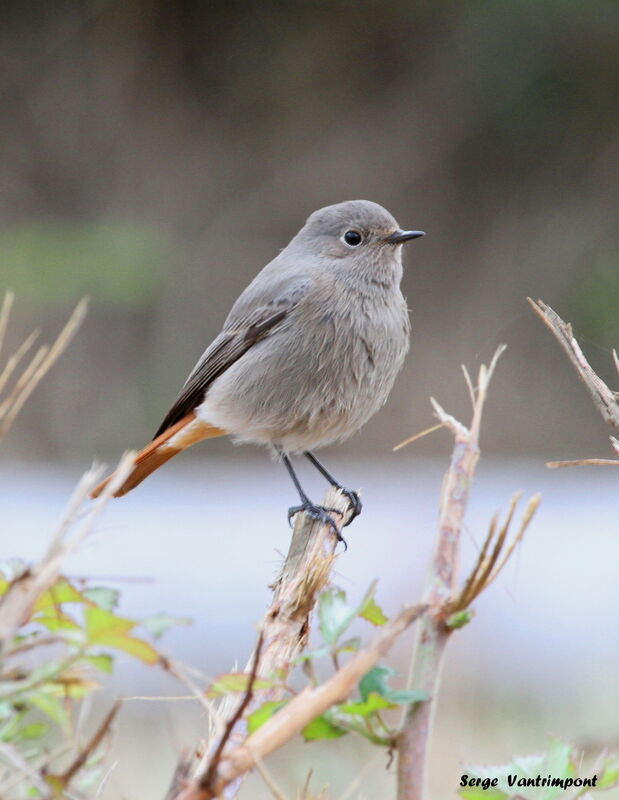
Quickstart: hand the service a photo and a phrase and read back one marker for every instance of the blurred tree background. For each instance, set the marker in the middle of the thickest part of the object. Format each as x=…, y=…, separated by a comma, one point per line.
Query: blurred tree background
x=155, y=155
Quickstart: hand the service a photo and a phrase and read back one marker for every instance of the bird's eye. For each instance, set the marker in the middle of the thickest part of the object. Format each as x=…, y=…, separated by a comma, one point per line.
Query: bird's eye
x=353, y=238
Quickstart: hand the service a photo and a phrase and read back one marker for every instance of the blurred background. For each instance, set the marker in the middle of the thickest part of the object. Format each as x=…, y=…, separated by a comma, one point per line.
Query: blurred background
x=155, y=155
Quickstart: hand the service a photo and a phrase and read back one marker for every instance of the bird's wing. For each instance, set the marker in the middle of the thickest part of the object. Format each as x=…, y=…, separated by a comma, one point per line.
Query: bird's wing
x=255, y=315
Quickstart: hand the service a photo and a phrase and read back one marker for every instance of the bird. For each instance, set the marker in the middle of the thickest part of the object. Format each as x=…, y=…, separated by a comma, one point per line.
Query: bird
x=308, y=353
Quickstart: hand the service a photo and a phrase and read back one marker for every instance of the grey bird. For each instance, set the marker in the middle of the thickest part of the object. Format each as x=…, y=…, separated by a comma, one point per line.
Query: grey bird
x=308, y=353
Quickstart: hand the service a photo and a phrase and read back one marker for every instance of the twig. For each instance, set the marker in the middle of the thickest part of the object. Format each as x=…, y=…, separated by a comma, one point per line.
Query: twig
x=5, y=313
x=584, y=462
x=488, y=565
x=11, y=755
x=603, y=398
x=17, y=603
x=207, y=779
x=269, y=780
x=432, y=633
x=300, y=711
x=418, y=436
x=67, y=776
x=38, y=368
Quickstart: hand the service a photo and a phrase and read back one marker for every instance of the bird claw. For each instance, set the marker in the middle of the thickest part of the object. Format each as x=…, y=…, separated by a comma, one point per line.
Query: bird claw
x=355, y=503
x=320, y=514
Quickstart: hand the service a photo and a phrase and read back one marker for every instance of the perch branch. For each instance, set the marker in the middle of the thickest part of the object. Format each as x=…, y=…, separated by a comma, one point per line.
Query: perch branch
x=286, y=625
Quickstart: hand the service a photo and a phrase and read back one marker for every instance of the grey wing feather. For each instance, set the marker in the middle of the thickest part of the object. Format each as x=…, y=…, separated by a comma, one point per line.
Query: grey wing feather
x=251, y=319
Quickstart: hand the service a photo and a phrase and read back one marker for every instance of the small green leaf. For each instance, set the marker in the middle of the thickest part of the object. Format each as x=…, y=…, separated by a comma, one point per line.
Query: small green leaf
x=56, y=621
x=459, y=619
x=350, y=645
x=321, y=728
x=335, y=615
x=99, y=620
x=32, y=731
x=408, y=696
x=102, y=596
x=107, y=629
x=261, y=715
x=365, y=708
x=376, y=681
x=370, y=609
x=158, y=624
x=233, y=682
x=53, y=707
x=103, y=662
x=311, y=654
x=610, y=773
x=61, y=592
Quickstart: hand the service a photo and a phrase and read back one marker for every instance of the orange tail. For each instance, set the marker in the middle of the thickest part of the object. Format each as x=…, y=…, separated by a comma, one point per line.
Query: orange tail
x=180, y=436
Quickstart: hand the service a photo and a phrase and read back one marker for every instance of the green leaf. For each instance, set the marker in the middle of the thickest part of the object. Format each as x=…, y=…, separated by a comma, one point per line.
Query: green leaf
x=409, y=696
x=459, y=619
x=334, y=614
x=322, y=728
x=103, y=662
x=558, y=761
x=100, y=621
x=56, y=621
x=102, y=596
x=32, y=731
x=610, y=773
x=365, y=708
x=311, y=654
x=484, y=791
x=376, y=681
x=53, y=707
x=158, y=624
x=107, y=629
x=261, y=715
x=369, y=608
x=9, y=730
x=61, y=592
x=232, y=682
x=350, y=645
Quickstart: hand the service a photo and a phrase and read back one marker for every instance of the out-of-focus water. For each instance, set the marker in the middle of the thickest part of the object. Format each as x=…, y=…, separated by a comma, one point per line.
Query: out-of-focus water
x=540, y=655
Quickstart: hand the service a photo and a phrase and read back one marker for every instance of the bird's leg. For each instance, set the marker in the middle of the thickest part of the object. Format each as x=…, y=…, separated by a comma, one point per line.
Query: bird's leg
x=353, y=497
x=314, y=511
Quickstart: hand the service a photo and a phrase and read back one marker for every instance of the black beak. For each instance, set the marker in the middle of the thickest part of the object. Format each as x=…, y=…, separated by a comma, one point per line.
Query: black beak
x=403, y=236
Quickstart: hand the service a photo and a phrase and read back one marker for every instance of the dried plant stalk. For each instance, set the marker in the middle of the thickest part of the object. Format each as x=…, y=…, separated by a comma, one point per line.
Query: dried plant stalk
x=432, y=632
x=39, y=366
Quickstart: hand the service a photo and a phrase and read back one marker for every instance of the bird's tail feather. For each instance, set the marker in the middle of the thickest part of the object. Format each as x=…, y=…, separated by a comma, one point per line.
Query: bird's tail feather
x=178, y=437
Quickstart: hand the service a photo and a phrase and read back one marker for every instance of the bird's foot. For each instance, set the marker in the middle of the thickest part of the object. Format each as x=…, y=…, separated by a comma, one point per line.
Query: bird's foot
x=355, y=503
x=320, y=514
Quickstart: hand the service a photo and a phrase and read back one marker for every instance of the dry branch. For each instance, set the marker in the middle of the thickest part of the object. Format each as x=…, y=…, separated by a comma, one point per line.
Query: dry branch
x=433, y=631
x=604, y=399
x=41, y=363
x=22, y=594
